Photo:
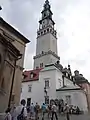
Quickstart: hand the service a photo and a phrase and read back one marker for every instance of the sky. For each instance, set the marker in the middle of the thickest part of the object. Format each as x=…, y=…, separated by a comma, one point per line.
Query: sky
x=72, y=18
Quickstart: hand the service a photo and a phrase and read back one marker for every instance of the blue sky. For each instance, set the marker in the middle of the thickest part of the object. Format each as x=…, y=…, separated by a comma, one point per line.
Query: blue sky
x=72, y=18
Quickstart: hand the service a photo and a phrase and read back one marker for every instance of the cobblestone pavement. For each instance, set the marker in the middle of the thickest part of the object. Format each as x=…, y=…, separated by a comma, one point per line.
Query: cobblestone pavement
x=72, y=117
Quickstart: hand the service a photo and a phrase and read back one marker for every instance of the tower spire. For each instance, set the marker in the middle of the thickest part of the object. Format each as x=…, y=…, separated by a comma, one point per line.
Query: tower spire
x=46, y=49
x=46, y=5
x=46, y=24
x=47, y=2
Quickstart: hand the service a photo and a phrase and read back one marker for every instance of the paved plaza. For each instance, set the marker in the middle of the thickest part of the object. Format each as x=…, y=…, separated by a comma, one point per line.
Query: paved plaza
x=62, y=117
x=72, y=117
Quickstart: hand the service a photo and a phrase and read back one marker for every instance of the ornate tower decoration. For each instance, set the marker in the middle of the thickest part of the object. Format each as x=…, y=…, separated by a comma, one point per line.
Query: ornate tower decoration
x=46, y=24
x=46, y=47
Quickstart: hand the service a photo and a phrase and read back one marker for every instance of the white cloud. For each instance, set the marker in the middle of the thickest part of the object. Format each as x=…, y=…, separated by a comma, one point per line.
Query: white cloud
x=72, y=19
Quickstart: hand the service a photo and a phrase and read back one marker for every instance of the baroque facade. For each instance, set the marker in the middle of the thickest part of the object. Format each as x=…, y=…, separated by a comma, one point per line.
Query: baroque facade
x=12, y=45
x=49, y=79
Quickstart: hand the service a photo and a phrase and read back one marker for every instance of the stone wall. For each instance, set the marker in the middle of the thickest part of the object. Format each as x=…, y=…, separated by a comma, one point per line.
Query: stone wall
x=20, y=45
x=6, y=73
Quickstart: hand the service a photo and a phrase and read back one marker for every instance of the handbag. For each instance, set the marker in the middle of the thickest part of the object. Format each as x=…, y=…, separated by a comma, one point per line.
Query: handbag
x=21, y=115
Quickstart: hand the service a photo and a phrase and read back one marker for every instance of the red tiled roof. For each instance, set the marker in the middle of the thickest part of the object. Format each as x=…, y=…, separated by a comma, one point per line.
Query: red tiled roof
x=27, y=75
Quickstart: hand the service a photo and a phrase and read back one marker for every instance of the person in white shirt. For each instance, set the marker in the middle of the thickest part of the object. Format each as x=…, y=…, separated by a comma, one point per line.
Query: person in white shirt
x=67, y=111
x=54, y=111
x=13, y=112
x=21, y=108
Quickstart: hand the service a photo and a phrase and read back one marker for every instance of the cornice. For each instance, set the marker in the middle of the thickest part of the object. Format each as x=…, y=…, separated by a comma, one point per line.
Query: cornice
x=51, y=30
x=47, y=53
x=7, y=26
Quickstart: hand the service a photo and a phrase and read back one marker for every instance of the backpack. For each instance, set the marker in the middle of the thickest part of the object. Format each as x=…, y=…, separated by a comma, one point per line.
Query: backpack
x=21, y=116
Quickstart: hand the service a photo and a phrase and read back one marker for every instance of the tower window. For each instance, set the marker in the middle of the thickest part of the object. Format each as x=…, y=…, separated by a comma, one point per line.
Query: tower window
x=44, y=15
x=41, y=33
x=41, y=65
x=44, y=31
x=38, y=33
x=48, y=30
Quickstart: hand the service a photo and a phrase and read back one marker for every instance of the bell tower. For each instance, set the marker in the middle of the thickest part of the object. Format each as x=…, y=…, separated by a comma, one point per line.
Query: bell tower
x=46, y=47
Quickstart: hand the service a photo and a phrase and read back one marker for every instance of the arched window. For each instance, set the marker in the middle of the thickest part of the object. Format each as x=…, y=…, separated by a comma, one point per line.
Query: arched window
x=47, y=29
x=41, y=33
x=38, y=33
x=50, y=30
x=44, y=31
x=44, y=14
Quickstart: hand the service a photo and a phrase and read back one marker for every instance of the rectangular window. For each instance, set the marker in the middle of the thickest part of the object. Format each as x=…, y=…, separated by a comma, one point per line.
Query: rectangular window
x=68, y=99
x=46, y=83
x=46, y=99
x=29, y=88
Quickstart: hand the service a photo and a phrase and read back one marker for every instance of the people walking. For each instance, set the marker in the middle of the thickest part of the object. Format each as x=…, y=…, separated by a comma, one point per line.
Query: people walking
x=21, y=111
x=37, y=111
x=54, y=111
x=49, y=110
x=62, y=106
x=43, y=107
x=59, y=107
x=32, y=111
x=67, y=111
x=13, y=112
